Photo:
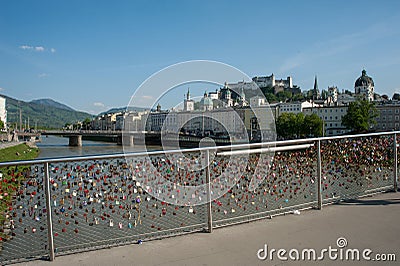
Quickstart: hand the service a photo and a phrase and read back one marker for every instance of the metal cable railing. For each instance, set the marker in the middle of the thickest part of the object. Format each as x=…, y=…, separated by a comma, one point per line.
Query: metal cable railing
x=65, y=205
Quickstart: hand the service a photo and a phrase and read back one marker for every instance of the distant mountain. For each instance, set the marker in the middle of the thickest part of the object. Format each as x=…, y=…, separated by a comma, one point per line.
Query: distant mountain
x=50, y=102
x=123, y=109
x=45, y=113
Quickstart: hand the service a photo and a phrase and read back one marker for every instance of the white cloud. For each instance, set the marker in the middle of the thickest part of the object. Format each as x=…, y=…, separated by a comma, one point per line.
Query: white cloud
x=39, y=48
x=2, y=89
x=99, y=104
x=26, y=47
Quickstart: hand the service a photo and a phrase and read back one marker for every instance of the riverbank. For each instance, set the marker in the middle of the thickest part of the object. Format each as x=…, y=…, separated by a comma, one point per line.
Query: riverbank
x=15, y=151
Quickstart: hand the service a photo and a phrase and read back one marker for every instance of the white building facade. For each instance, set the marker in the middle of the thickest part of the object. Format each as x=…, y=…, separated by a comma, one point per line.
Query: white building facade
x=294, y=107
x=3, y=111
x=332, y=118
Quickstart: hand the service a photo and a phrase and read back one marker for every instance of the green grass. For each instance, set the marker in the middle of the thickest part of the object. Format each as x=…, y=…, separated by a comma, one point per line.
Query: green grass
x=19, y=152
x=12, y=178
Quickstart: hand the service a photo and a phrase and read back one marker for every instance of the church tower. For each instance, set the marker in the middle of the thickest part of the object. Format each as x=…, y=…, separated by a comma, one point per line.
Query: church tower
x=315, y=90
x=188, y=104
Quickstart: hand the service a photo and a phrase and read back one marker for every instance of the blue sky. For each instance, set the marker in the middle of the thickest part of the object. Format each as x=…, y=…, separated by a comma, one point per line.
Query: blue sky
x=93, y=55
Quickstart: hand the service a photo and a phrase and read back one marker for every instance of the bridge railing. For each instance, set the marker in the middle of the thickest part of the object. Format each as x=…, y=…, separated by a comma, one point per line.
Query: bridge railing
x=66, y=205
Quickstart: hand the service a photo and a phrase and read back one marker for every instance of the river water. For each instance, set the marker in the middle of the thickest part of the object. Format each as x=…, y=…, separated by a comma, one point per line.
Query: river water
x=55, y=147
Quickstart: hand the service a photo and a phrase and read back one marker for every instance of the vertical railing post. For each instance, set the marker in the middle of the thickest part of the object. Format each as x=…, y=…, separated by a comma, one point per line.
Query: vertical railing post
x=319, y=175
x=395, y=162
x=49, y=212
x=208, y=184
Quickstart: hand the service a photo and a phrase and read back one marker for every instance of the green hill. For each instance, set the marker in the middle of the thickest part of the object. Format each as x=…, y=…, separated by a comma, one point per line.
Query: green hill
x=47, y=114
x=53, y=103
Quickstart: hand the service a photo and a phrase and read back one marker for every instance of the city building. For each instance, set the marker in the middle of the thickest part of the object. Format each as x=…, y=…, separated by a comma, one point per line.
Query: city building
x=332, y=96
x=156, y=119
x=226, y=95
x=388, y=117
x=259, y=122
x=105, y=122
x=214, y=95
x=216, y=122
x=3, y=111
x=294, y=107
x=271, y=81
x=257, y=101
x=364, y=86
x=345, y=99
x=132, y=121
x=265, y=82
x=170, y=122
x=332, y=118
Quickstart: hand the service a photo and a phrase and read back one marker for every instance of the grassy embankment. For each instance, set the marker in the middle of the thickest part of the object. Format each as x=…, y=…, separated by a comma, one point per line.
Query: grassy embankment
x=11, y=178
x=17, y=153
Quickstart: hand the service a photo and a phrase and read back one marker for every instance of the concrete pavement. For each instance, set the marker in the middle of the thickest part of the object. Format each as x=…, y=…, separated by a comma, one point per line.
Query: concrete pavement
x=368, y=223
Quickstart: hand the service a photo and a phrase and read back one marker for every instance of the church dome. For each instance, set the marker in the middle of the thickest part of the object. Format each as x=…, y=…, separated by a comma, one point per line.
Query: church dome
x=206, y=101
x=364, y=80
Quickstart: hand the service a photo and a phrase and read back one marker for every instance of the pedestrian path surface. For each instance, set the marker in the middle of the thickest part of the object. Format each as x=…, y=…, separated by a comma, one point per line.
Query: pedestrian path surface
x=4, y=145
x=368, y=223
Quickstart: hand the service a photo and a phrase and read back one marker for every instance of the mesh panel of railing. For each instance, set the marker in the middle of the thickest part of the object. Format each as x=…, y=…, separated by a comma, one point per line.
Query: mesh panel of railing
x=104, y=202
x=288, y=183
x=23, y=214
x=352, y=167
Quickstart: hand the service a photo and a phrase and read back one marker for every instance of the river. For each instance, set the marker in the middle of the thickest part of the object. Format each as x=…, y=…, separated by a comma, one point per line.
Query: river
x=55, y=147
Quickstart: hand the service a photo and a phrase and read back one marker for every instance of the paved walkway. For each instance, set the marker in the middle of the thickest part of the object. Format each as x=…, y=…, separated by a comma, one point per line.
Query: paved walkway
x=371, y=222
x=4, y=145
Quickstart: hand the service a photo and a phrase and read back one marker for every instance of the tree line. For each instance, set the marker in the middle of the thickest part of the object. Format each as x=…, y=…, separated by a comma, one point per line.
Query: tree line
x=360, y=118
